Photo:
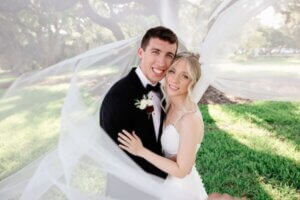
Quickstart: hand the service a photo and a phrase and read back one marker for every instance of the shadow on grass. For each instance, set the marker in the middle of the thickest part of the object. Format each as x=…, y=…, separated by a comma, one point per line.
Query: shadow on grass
x=280, y=118
x=29, y=127
x=21, y=159
x=228, y=166
x=32, y=102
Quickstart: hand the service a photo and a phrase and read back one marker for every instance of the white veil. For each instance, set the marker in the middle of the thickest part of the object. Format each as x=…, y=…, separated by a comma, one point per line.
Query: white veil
x=57, y=107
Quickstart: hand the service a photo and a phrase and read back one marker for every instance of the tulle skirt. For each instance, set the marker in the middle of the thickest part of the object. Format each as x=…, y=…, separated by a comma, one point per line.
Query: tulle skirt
x=192, y=184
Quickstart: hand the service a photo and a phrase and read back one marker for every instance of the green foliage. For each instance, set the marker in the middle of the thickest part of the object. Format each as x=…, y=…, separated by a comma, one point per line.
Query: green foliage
x=277, y=38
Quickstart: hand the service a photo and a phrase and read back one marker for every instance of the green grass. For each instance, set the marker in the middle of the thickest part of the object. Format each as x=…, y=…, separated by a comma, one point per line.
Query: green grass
x=26, y=135
x=6, y=79
x=249, y=150
x=252, y=150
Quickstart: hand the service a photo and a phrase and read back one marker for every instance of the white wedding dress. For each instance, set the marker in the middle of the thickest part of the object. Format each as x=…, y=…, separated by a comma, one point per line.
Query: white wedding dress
x=192, y=183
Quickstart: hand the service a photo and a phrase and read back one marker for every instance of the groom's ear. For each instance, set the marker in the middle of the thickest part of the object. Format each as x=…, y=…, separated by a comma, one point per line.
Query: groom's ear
x=140, y=52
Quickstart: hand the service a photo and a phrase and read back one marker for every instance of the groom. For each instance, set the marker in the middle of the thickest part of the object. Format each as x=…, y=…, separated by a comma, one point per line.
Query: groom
x=120, y=109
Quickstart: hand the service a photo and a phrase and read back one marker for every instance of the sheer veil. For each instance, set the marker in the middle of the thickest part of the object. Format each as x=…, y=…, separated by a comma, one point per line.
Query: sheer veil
x=58, y=106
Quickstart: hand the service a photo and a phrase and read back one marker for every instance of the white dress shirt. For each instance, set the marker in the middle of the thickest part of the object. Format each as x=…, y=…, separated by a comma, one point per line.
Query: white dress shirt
x=156, y=114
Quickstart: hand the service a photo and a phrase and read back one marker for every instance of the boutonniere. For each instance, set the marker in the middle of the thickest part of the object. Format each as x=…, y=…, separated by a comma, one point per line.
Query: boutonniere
x=145, y=103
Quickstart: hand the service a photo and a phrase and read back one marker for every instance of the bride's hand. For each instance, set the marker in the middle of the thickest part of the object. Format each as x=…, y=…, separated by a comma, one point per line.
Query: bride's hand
x=131, y=143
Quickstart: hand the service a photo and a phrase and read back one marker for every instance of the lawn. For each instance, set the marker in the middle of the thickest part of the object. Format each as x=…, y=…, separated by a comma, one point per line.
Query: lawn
x=6, y=79
x=252, y=150
x=249, y=150
x=26, y=135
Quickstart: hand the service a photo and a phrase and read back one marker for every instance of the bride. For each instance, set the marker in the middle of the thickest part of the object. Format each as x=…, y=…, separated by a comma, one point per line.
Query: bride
x=183, y=128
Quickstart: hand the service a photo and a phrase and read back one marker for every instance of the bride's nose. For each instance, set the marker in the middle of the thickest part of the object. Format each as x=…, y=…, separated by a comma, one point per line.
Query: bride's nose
x=175, y=79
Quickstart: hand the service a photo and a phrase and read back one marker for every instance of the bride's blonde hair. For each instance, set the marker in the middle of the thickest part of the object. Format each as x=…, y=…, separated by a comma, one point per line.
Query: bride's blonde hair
x=194, y=70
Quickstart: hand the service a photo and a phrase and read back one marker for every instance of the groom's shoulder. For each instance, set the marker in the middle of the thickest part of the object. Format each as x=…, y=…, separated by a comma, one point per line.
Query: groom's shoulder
x=121, y=85
x=124, y=86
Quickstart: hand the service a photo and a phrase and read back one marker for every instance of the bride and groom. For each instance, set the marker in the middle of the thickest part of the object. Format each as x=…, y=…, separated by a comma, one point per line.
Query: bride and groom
x=157, y=125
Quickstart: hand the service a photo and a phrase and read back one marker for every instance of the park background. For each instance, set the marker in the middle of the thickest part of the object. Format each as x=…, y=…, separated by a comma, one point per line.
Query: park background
x=251, y=148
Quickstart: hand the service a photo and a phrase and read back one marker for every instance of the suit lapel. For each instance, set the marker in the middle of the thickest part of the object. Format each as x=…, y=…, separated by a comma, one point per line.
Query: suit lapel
x=162, y=118
x=136, y=82
x=141, y=90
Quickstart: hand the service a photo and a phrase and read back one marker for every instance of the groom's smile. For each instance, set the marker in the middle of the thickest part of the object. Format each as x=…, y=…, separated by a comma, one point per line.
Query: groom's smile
x=158, y=72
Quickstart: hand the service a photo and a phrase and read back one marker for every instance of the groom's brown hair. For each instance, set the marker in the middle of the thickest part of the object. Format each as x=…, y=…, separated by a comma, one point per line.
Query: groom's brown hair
x=161, y=33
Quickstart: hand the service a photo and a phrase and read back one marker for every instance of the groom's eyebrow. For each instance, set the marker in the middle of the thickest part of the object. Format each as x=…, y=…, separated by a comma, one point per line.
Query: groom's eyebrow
x=171, y=54
x=155, y=49
x=168, y=53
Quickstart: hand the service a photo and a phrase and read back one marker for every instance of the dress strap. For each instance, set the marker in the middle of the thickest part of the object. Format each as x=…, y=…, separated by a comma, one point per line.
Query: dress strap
x=184, y=114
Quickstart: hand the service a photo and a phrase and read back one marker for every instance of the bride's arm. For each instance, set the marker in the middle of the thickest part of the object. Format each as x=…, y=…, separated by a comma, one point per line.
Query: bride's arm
x=189, y=138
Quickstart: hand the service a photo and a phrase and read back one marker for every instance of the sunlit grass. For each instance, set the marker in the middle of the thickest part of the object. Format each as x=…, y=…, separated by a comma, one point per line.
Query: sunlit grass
x=30, y=118
x=252, y=150
x=250, y=129
x=1, y=92
x=6, y=79
x=280, y=191
x=248, y=151
x=29, y=126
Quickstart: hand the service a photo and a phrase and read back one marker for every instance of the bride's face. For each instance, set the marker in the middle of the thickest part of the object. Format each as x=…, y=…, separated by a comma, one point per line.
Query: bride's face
x=178, y=79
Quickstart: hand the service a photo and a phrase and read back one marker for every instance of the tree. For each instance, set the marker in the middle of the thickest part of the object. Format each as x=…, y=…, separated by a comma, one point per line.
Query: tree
x=290, y=11
x=38, y=33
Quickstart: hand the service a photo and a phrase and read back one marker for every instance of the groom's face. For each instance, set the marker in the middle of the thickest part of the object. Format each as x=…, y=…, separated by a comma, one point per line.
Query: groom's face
x=156, y=58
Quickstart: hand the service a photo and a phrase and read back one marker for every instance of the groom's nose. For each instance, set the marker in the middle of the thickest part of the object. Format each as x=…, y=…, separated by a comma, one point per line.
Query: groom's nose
x=161, y=61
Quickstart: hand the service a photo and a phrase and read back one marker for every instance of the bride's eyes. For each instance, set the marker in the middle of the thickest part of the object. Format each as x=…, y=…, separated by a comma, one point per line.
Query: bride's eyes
x=186, y=77
x=171, y=72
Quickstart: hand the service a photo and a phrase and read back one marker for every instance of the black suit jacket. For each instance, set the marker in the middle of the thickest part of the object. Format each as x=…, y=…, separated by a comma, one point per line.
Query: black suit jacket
x=118, y=111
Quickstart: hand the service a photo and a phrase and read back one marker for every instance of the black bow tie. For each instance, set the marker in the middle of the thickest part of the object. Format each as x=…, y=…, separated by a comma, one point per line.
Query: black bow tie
x=155, y=88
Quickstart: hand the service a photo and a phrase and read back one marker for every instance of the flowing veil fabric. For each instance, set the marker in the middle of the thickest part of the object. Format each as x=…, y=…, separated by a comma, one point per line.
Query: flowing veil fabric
x=64, y=99
x=262, y=83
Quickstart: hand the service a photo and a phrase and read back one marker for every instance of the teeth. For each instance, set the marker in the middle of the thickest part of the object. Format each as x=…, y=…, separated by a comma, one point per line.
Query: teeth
x=157, y=71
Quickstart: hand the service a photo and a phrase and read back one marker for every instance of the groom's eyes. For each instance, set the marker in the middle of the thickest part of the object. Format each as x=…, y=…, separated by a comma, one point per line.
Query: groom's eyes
x=170, y=56
x=156, y=52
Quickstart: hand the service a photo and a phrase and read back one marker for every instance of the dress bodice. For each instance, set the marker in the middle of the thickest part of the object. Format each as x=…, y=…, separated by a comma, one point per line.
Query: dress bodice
x=170, y=136
x=170, y=141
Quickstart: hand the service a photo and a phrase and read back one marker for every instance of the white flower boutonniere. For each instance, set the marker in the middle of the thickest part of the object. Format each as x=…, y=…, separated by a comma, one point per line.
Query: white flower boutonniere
x=145, y=103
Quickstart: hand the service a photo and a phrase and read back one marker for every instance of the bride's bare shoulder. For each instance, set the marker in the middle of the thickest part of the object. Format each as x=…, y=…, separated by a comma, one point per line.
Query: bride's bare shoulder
x=192, y=121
